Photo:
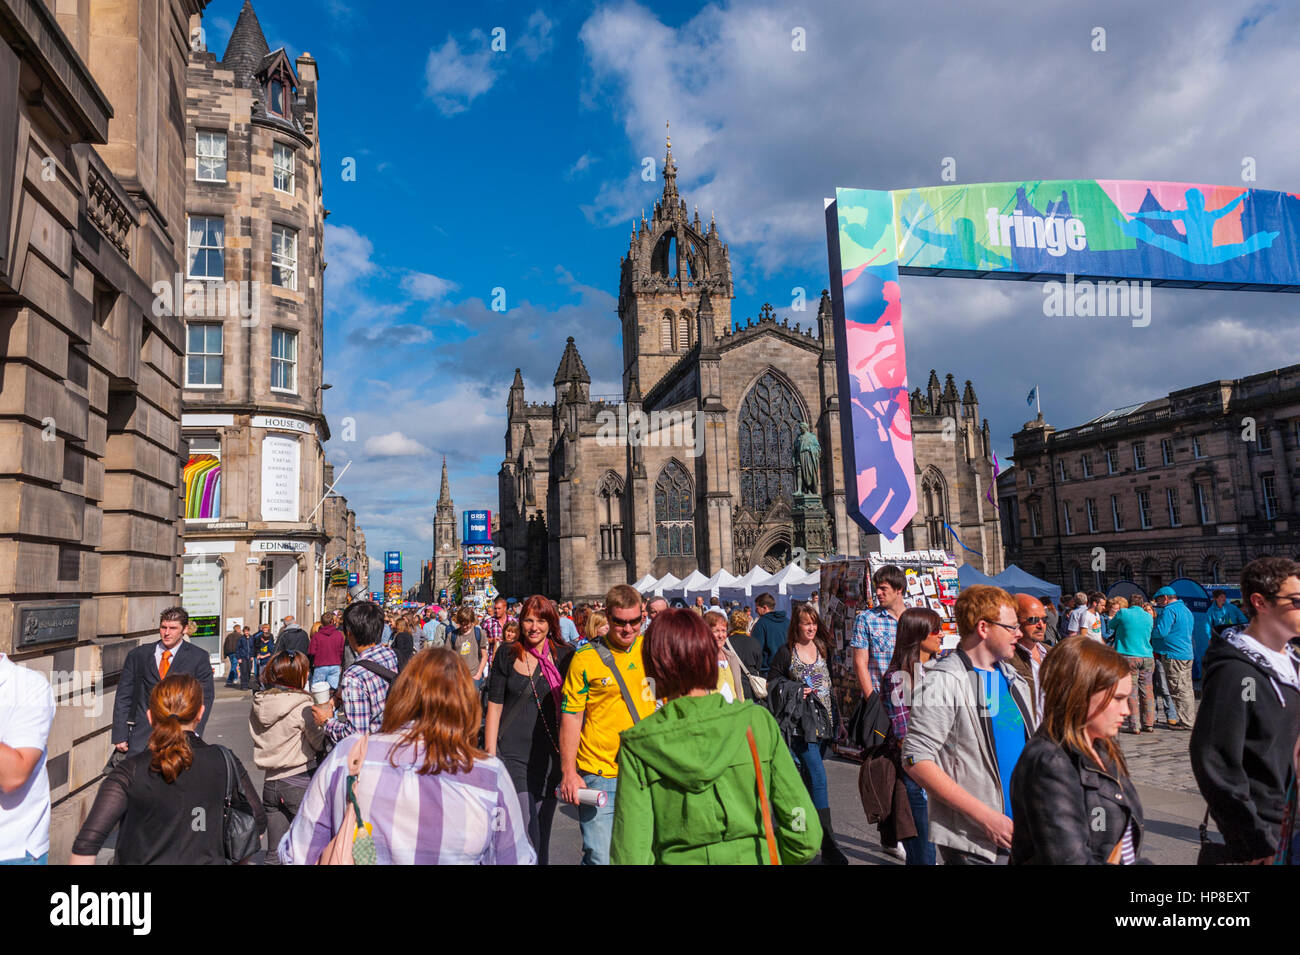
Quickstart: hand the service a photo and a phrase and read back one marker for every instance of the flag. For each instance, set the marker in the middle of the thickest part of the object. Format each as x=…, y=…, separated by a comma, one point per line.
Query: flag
x=994, y=483
x=1033, y=394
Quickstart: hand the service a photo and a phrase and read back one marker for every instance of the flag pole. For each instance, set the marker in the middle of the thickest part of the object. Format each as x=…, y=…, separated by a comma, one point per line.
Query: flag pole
x=1038, y=406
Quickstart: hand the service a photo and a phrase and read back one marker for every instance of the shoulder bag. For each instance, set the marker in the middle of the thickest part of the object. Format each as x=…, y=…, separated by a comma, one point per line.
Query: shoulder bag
x=756, y=683
x=239, y=836
x=353, y=844
x=607, y=658
x=774, y=857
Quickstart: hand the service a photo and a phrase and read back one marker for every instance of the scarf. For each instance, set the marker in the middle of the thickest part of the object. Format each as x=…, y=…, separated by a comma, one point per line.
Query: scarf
x=551, y=672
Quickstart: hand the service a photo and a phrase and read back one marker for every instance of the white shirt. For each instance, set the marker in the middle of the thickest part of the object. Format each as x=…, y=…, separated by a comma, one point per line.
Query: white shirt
x=158, y=652
x=26, y=712
x=1075, y=622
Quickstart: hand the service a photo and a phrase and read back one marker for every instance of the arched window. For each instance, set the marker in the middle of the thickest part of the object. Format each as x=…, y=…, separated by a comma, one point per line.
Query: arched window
x=1124, y=571
x=609, y=513
x=934, y=498
x=674, y=513
x=1178, y=568
x=666, y=331
x=768, y=428
x=1076, y=578
x=1151, y=576
x=684, y=331
x=1213, y=571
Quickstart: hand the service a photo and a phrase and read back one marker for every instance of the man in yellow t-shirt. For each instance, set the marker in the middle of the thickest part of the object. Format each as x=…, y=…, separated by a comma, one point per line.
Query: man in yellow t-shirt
x=589, y=747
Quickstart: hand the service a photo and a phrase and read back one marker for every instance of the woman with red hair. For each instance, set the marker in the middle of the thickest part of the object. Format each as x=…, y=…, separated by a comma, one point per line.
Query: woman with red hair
x=523, y=714
x=161, y=795
x=701, y=780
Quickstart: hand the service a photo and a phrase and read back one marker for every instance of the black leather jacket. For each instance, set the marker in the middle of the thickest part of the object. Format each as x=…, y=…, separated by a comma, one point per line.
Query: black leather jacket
x=1066, y=810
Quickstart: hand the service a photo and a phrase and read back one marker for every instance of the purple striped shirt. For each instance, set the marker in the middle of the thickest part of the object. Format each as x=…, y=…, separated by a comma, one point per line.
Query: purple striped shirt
x=439, y=819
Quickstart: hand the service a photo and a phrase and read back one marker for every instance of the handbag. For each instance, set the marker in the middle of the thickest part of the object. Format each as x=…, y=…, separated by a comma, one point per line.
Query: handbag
x=774, y=857
x=869, y=727
x=756, y=683
x=352, y=844
x=239, y=836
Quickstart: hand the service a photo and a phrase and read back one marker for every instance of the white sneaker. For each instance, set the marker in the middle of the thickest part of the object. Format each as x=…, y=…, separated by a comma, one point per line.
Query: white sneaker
x=899, y=852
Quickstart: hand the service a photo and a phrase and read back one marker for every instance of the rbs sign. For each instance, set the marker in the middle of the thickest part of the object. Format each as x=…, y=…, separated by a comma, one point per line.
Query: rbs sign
x=477, y=527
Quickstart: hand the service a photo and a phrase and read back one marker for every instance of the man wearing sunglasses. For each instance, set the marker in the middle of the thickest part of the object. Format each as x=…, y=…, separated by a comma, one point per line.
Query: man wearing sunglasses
x=1031, y=648
x=1243, y=747
x=605, y=692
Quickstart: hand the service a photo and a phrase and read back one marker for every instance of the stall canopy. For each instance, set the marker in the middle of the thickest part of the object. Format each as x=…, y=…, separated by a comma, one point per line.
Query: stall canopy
x=968, y=576
x=692, y=582
x=710, y=587
x=667, y=582
x=1018, y=581
x=740, y=588
x=645, y=584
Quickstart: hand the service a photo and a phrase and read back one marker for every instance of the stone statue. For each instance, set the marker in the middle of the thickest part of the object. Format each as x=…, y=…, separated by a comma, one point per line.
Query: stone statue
x=807, y=457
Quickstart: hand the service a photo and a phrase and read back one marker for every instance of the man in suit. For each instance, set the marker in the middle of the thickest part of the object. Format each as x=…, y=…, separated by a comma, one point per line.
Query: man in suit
x=145, y=667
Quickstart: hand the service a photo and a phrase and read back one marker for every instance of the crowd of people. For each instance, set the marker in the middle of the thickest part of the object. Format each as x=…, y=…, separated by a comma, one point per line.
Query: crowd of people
x=684, y=734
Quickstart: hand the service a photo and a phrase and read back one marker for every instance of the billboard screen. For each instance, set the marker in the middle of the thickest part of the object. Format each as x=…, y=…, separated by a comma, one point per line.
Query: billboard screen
x=392, y=560
x=477, y=527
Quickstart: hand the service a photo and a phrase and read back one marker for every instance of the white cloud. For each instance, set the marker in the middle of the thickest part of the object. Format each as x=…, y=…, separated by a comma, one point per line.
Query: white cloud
x=454, y=79
x=426, y=287
x=581, y=164
x=395, y=445
x=348, y=253
x=536, y=40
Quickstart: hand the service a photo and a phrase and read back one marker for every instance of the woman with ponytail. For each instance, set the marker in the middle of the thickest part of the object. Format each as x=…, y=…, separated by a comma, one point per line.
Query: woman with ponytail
x=169, y=798
x=523, y=714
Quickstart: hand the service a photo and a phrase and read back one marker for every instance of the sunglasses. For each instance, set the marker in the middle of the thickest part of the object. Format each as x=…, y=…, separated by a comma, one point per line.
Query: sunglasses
x=1032, y=621
x=1293, y=599
x=617, y=622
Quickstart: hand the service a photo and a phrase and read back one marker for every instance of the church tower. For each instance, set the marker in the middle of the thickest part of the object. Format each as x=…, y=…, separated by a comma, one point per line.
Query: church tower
x=672, y=259
x=446, y=544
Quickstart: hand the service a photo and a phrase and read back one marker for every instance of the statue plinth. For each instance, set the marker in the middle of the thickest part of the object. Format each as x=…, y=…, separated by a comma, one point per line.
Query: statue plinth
x=811, y=528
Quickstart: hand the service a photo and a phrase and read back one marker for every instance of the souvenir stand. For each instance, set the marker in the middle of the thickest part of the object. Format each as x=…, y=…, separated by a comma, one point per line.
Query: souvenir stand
x=846, y=591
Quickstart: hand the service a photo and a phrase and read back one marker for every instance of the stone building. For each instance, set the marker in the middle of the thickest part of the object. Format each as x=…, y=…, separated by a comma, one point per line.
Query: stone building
x=695, y=467
x=345, y=550
x=254, y=527
x=92, y=215
x=1194, y=484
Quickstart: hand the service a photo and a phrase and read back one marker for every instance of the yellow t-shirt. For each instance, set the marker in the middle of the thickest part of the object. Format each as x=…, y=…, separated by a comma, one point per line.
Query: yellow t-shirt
x=590, y=688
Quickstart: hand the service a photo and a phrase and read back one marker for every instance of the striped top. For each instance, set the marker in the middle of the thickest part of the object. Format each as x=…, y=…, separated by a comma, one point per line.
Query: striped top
x=440, y=819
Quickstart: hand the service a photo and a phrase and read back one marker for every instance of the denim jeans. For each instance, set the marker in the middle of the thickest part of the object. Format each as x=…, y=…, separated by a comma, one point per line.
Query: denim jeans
x=597, y=822
x=28, y=859
x=233, y=676
x=1143, y=701
x=328, y=675
x=808, y=757
x=919, y=849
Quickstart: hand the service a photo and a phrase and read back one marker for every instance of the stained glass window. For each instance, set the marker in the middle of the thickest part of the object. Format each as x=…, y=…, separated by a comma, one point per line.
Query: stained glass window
x=769, y=428
x=674, y=513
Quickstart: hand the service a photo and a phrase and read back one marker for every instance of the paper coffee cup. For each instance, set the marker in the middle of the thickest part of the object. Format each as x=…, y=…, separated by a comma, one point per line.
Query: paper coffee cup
x=320, y=692
x=589, y=797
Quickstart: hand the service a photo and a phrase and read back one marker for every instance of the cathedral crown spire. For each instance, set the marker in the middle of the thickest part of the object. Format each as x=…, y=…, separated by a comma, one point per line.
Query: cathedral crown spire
x=670, y=178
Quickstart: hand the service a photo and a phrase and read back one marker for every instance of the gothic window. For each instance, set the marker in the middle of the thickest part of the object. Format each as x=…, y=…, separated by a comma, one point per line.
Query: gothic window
x=666, y=331
x=768, y=429
x=674, y=513
x=609, y=513
x=934, y=498
x=684, y=331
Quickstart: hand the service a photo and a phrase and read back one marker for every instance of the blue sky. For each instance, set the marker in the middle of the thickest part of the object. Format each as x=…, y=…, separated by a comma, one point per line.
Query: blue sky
x=521, y=170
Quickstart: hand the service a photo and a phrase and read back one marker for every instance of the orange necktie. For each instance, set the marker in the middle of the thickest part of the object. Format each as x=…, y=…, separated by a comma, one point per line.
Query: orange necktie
x=166, y=662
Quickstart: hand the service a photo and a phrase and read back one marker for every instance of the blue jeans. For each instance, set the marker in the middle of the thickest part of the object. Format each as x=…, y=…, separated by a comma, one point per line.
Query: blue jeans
x=919, y=849
x=597, y=822
x=1164, y=699
x=233, y=676
x=328, y=675
x=808, y=757
x=28, y=859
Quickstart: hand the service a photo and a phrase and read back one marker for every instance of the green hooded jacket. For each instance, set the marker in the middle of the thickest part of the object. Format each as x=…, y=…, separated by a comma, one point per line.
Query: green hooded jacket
x=687, y=793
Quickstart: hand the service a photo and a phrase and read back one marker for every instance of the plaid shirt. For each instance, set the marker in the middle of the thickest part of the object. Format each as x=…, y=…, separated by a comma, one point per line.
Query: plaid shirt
x=363, y=695
x=876, y=631
x=493, y=628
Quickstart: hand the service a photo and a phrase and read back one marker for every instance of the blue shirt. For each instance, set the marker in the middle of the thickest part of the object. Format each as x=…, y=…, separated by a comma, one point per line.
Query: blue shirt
x=1008, y=728
x=568, y=631
x=1226, y=615
x=1132, y=627
x=1173, y=637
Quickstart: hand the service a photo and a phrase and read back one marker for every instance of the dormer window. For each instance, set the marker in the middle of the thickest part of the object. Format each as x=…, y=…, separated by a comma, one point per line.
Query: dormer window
x=276, y=101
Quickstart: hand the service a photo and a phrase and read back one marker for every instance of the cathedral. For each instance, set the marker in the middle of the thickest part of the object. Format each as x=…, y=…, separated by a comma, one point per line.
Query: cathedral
x=696, y=468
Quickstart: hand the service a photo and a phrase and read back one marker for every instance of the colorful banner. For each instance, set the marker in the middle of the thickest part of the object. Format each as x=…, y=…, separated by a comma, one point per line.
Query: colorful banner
x=392, y=560
x=476, y=527
x=1165, y=233
x=202, y=478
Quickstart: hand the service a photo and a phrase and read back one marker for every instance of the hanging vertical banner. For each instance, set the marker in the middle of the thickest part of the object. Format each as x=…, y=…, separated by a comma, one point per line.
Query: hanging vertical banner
x=280, y=461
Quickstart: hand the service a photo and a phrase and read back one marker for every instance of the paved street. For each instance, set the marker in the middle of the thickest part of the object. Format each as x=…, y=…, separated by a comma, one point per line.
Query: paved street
x=1158, y=762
